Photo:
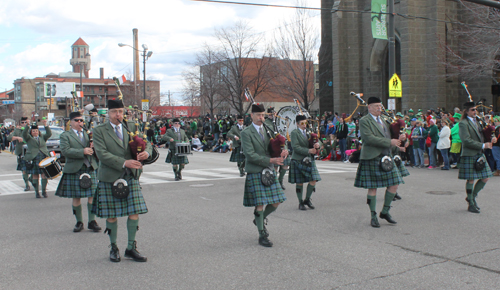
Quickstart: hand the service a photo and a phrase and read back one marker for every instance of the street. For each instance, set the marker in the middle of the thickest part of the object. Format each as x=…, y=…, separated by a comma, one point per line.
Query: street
x=198, y=235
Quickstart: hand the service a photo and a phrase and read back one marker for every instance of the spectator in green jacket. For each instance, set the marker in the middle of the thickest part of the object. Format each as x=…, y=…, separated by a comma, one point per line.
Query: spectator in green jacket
x=434, y=134
x=194, y=128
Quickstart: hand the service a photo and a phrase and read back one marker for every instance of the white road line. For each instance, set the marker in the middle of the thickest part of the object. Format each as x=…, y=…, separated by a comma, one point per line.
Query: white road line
x=9, y=188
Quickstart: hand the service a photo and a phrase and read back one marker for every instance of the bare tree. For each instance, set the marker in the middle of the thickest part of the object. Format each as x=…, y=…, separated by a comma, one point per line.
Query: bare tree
x=241, y=66
x=296, y=44
x=208, y=79
x=475, y=52
x=191, y=89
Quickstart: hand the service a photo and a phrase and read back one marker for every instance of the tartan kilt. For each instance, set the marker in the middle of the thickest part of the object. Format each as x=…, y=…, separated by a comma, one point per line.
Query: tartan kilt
x=467, y=170
x=107, y=206
x=236, y=155
x=69, y=185
x=402, y=169
x=171, y=158
x=36, y=170
x=299, y=173
x=287, y=161
x=21, y=164
x=370, y=175
x=258, y=194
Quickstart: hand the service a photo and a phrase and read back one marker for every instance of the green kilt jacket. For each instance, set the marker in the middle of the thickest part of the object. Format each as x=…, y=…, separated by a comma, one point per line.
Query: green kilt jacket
x=19, y=148
x=72, y=149
x=112, y=153
x=236, y=155
x=180, y=137
x=376, y=143
x=472, y=149
x=37, y=149
x=257, y=158
x=300, y=173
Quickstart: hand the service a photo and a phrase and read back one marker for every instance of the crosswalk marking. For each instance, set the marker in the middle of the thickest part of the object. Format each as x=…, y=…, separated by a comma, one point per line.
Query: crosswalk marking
x=11, y=186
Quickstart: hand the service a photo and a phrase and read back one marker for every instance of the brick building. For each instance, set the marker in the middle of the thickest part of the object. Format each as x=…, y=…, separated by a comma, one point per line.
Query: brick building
x=29, y=93
x=360, y=63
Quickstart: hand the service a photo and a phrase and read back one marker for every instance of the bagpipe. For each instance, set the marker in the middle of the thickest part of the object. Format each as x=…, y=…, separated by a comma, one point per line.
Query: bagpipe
x=136, y=143
x=88, y=108
x=482, y=123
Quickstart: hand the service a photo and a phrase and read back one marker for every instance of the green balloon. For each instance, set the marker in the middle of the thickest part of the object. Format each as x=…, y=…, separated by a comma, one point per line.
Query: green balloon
x=43, y=118
x=130, y=107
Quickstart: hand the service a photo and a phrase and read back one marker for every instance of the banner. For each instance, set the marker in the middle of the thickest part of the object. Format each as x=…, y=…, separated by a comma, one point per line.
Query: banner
x=58, y=89
x=379, y=23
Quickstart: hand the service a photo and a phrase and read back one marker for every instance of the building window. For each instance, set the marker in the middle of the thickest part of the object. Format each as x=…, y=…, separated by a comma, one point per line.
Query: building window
x=100, y=89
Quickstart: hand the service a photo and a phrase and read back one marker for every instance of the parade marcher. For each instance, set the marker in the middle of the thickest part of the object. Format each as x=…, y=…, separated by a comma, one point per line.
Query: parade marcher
x=261, y=188
x=303, y=167
x=17, y=139
x=470, y=167
x=37, y=150
x=79, y=178
x=174, y=136
x=117, y=165
x=269, y=122
x=376, y=149
x=237, y=154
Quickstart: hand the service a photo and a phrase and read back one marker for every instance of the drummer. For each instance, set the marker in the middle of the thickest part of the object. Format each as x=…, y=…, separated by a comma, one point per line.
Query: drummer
x=16, y=137
x=37, y=150
x=79, y=178
x=173, y=136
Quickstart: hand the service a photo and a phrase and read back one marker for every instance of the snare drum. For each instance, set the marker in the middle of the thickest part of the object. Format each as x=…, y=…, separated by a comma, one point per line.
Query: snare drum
x=182, y=149
x=51, y=167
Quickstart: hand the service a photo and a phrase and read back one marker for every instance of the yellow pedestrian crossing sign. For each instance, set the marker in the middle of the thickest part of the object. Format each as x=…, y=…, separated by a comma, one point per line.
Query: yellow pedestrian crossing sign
x=395, y=87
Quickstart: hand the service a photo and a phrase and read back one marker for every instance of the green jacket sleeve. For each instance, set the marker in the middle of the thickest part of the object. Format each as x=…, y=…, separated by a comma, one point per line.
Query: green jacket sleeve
x=66, y=149
x=294, y=137
x=249, y=151
x=103, y=154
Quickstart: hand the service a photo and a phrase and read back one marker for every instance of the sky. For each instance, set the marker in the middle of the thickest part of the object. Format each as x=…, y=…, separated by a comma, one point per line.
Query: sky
x=36, y=35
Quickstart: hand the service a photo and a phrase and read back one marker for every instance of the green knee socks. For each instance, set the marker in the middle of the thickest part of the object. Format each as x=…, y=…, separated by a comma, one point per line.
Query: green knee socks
x=468, y=190
x=26, y=178
x=477, y=188
x=282, y=174
x=35, y=184
x=372, y=204
x=132, y=228
x=310, y=190
x=298, y=189
x=259, y=221
x=387, y=201
x=269, y=209
x=77, y=211
x=44, y=185
x=89, y=209
x=112, y=230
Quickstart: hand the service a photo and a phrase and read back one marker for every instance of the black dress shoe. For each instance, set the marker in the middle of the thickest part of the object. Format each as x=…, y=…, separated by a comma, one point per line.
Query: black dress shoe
x=38, y=195
x=242, y=174
x=302, y=206
x=374, y=223
x=78, y=227
x=473, y=208
x=309, y=203
x=114, y=254
x=94, y=226
x=27, y=188
x=264, y=241
x=467, y=200
x=387, y=217
x=397, y=196
x=44, y=194
x=134, y=254
x=179, y=175
x=266, y=233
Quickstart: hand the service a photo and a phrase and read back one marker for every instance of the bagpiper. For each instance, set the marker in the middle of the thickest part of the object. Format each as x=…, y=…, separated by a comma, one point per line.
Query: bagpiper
x=118, y=193
x=79, y=179
x=237, y=154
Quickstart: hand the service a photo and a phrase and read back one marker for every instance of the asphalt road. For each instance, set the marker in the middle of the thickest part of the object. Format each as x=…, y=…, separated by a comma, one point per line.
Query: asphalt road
x=198, y=235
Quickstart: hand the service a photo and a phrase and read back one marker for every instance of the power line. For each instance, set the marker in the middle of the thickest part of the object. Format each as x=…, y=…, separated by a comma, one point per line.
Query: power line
x=407, y=16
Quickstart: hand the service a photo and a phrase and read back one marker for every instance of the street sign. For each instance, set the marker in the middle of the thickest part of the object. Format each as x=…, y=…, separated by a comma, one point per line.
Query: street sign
x=8, y=102
x=395, y=87
x=145, y=105
x=391, y=104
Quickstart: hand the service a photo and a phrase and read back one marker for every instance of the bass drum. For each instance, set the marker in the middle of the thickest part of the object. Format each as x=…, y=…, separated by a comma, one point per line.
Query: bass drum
x=287, y=115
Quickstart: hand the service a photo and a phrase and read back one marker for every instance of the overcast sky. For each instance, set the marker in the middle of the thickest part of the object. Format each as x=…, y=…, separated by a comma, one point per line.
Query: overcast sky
x=36, y=35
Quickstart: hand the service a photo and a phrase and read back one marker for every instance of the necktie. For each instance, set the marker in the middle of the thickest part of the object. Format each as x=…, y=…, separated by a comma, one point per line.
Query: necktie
x=118, y=133
x=304, y=133
x=380, y=124
x=261, y=132
x=80, y=134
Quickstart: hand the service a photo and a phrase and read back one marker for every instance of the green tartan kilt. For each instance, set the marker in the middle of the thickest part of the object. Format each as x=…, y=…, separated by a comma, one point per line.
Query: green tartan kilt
x=236, y=155
x=69, y=185
x=467, y=170
x=402, y=169
x=21, y=164
x=107, y=206
x=258, y=194
x=299, y=173
x=36, y=170
x=171, y=158
x=370, y=175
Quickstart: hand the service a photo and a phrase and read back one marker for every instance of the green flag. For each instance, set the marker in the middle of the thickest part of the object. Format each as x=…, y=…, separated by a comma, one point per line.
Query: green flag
x=379, y=23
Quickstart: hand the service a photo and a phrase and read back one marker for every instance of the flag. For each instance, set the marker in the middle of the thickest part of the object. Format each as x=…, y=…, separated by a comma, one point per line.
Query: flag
x=123, y=79
x=379, y=20
x=79, y=94
x=247, y=94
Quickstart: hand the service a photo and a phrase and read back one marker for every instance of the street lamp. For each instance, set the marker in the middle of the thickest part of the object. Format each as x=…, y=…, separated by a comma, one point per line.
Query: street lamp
x=146, y=55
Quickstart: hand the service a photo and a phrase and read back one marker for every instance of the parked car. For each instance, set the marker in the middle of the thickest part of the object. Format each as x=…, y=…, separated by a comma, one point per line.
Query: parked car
x=54, y=142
